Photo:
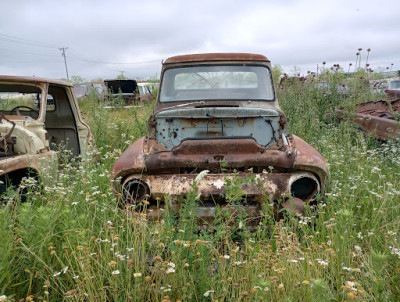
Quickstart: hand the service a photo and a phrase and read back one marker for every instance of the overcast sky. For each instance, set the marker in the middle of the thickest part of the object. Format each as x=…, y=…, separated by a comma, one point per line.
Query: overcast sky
x=107, y=37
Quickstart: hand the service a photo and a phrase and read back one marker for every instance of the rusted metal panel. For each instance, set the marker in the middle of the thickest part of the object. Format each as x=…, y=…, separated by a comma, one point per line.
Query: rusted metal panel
x=210, y=153
x=309, y=159
x=379, y=108
x=24, y=161
x=376, y=118
x=7, y=142
x=393, y=94
x=177, y=186
x=131, y=160
x=296, y=205
x=216, y=57
x=174, y=126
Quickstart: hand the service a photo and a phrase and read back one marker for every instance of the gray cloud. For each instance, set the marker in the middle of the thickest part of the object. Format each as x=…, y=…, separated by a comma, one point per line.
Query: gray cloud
x=291, y=33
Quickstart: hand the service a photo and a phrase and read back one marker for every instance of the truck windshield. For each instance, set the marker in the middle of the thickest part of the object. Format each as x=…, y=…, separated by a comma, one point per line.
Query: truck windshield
x=217, y=82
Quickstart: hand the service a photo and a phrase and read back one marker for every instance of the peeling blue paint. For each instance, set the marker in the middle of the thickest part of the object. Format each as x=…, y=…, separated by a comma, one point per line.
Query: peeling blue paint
x=174, y=126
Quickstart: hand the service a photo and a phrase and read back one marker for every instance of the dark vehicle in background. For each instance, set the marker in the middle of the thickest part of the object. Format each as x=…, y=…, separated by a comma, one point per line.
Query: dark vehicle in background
x=217, y=114
x=37, y=116
x=129, y=90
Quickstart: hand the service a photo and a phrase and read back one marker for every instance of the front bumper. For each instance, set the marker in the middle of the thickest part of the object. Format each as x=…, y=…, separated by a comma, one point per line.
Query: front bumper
x=251, y=193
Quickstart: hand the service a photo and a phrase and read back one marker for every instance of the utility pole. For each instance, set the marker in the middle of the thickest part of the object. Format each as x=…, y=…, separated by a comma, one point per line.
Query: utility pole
x=63, y=49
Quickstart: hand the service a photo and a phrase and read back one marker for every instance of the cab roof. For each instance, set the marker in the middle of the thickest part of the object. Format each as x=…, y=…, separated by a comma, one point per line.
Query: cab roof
x=216, y=57
x=33, y=80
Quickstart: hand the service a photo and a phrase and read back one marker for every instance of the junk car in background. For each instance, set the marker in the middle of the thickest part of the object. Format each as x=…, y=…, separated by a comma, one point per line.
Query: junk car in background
x=146, y=91
x=378, y=119
x=36, y=116
x=382, y=85
x=129, y=90
x=83, y=90
x=216, y=114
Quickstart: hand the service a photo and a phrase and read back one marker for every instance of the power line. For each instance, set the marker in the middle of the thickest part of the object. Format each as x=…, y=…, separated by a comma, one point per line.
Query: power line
x=84, y=58
x=80, y=57
x=115, y=63
x=14, y=39
x=29, y=53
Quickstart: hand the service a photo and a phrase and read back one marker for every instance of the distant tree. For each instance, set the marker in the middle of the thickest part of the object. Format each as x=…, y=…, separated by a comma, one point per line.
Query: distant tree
x=121, y=76
x=295, y=71
x=97, y=80
x=153, y=79
x=277, y=72
x=77, y=80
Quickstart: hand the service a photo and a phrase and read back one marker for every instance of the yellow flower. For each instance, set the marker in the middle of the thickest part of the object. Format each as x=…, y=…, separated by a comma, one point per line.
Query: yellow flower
x=306, y=282
x=137, y=275
x=112, y=263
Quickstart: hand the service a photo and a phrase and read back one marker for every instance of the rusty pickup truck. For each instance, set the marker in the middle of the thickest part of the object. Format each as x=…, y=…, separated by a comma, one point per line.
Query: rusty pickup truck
x=215, y=114
x=36, y=116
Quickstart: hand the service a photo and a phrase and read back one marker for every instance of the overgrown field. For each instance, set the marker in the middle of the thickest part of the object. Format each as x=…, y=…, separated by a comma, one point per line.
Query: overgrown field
x=71, y=241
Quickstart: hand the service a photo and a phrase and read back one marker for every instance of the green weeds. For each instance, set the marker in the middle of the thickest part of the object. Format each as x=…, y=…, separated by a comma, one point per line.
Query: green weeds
x=70, y=240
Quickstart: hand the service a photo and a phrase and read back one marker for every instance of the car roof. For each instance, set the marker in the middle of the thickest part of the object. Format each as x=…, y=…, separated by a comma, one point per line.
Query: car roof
x=33, y=80
x=216, y=57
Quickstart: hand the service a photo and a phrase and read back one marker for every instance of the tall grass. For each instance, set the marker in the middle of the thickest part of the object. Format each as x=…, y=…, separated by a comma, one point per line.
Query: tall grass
x=71, y=241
